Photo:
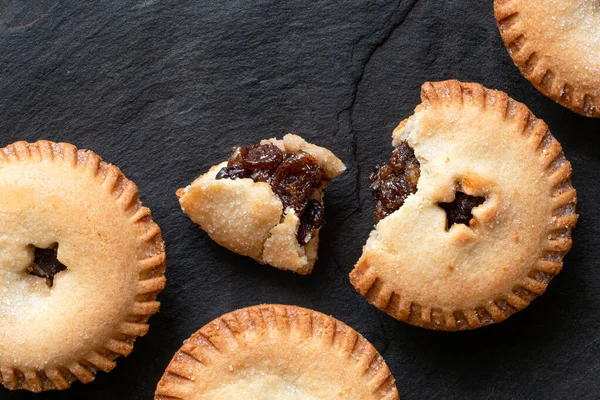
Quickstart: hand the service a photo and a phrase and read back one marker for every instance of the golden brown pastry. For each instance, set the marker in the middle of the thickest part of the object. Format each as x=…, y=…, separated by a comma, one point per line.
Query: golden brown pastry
x=266, y=202
x=476, y=210
x=80, y=268
x=556, y=45
x=277, y=352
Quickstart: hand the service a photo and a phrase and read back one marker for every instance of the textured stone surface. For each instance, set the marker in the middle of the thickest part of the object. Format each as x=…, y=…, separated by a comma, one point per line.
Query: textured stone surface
x=163, y=89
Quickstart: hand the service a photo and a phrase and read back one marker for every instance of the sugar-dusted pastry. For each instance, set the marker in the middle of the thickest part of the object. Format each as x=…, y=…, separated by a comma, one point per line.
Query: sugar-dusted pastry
x=556, y=45
x=475, y=210
x=266, y=202
x=81, y=264
x=272, y=352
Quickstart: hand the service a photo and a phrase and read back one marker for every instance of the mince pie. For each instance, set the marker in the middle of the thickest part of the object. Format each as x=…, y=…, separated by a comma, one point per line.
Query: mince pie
x=273, y=351
x=81, y=264
x=556, y=45
x=266, y=201
x=475, y=210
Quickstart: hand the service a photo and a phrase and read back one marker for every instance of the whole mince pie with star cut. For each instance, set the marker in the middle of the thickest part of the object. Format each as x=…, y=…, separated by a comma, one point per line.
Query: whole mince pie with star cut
x=266, y=201
x=81, y=258
x=474, y=211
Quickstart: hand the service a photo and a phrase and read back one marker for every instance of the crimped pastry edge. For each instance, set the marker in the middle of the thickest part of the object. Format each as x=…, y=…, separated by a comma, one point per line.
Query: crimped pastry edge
x=151, y=268
x=228, y=329
x=388, y=299
x=547, y=81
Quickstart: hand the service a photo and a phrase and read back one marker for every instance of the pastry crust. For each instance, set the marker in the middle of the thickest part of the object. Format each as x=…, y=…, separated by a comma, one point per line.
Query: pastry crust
x=248, y=217
x=556, y=45
x=115, y=258
x=283, y=251
x=238, y=214
x=332, y=165
x=276, y=352
x=465, y=277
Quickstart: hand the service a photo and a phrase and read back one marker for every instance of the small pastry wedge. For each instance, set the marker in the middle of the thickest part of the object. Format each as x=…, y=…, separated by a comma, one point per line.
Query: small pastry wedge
x=81, y=264
x=556, y=45
x=273, y=351
x=266, y=202
x=475, y=210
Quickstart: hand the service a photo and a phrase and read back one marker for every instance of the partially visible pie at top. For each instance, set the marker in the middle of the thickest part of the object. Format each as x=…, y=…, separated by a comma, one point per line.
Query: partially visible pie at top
x=276, y=352
x=81, y=264
x=266, y=201
x=556, y=45
x=475, y=210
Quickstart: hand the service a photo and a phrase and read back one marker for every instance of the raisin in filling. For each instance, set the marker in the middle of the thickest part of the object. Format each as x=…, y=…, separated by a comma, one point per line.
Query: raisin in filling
x=292, y=175
x=393, y=181
x=46, y=264
x=460, y=210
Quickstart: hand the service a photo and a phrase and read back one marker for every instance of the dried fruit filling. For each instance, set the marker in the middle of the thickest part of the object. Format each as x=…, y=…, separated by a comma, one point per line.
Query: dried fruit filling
x=293, y=176
x=393, y=181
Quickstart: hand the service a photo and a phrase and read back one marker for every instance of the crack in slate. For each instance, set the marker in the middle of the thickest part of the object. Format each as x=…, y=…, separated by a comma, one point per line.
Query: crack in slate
x=396, y=18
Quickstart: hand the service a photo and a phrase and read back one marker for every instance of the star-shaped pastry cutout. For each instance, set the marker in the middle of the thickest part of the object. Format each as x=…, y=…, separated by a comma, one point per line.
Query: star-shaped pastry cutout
x=460, y=210
x=46, y=264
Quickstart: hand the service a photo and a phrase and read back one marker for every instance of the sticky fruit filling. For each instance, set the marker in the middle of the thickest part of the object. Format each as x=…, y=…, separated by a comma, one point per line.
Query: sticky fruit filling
x=293, y=176
x=394, y=180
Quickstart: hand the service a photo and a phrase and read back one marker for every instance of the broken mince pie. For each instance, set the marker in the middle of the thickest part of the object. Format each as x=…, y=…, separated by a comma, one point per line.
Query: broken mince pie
x=555, y=45
x=266, y=202
x=80, y=268
x=475, y=210
x=274, y=351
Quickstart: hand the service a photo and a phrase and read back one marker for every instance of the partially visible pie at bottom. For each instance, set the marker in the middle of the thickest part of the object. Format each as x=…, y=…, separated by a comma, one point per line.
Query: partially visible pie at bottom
x=277, y=352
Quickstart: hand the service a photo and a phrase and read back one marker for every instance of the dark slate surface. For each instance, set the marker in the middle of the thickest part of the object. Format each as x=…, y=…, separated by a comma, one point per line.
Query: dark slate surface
x=163, y=89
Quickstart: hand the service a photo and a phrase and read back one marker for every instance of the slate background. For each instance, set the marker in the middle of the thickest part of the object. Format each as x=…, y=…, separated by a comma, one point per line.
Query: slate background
x=163, y=89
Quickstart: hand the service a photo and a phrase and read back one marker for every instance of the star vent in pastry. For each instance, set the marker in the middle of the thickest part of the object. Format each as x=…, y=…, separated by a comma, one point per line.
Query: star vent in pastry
x=459, y=210
x=46, y=264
